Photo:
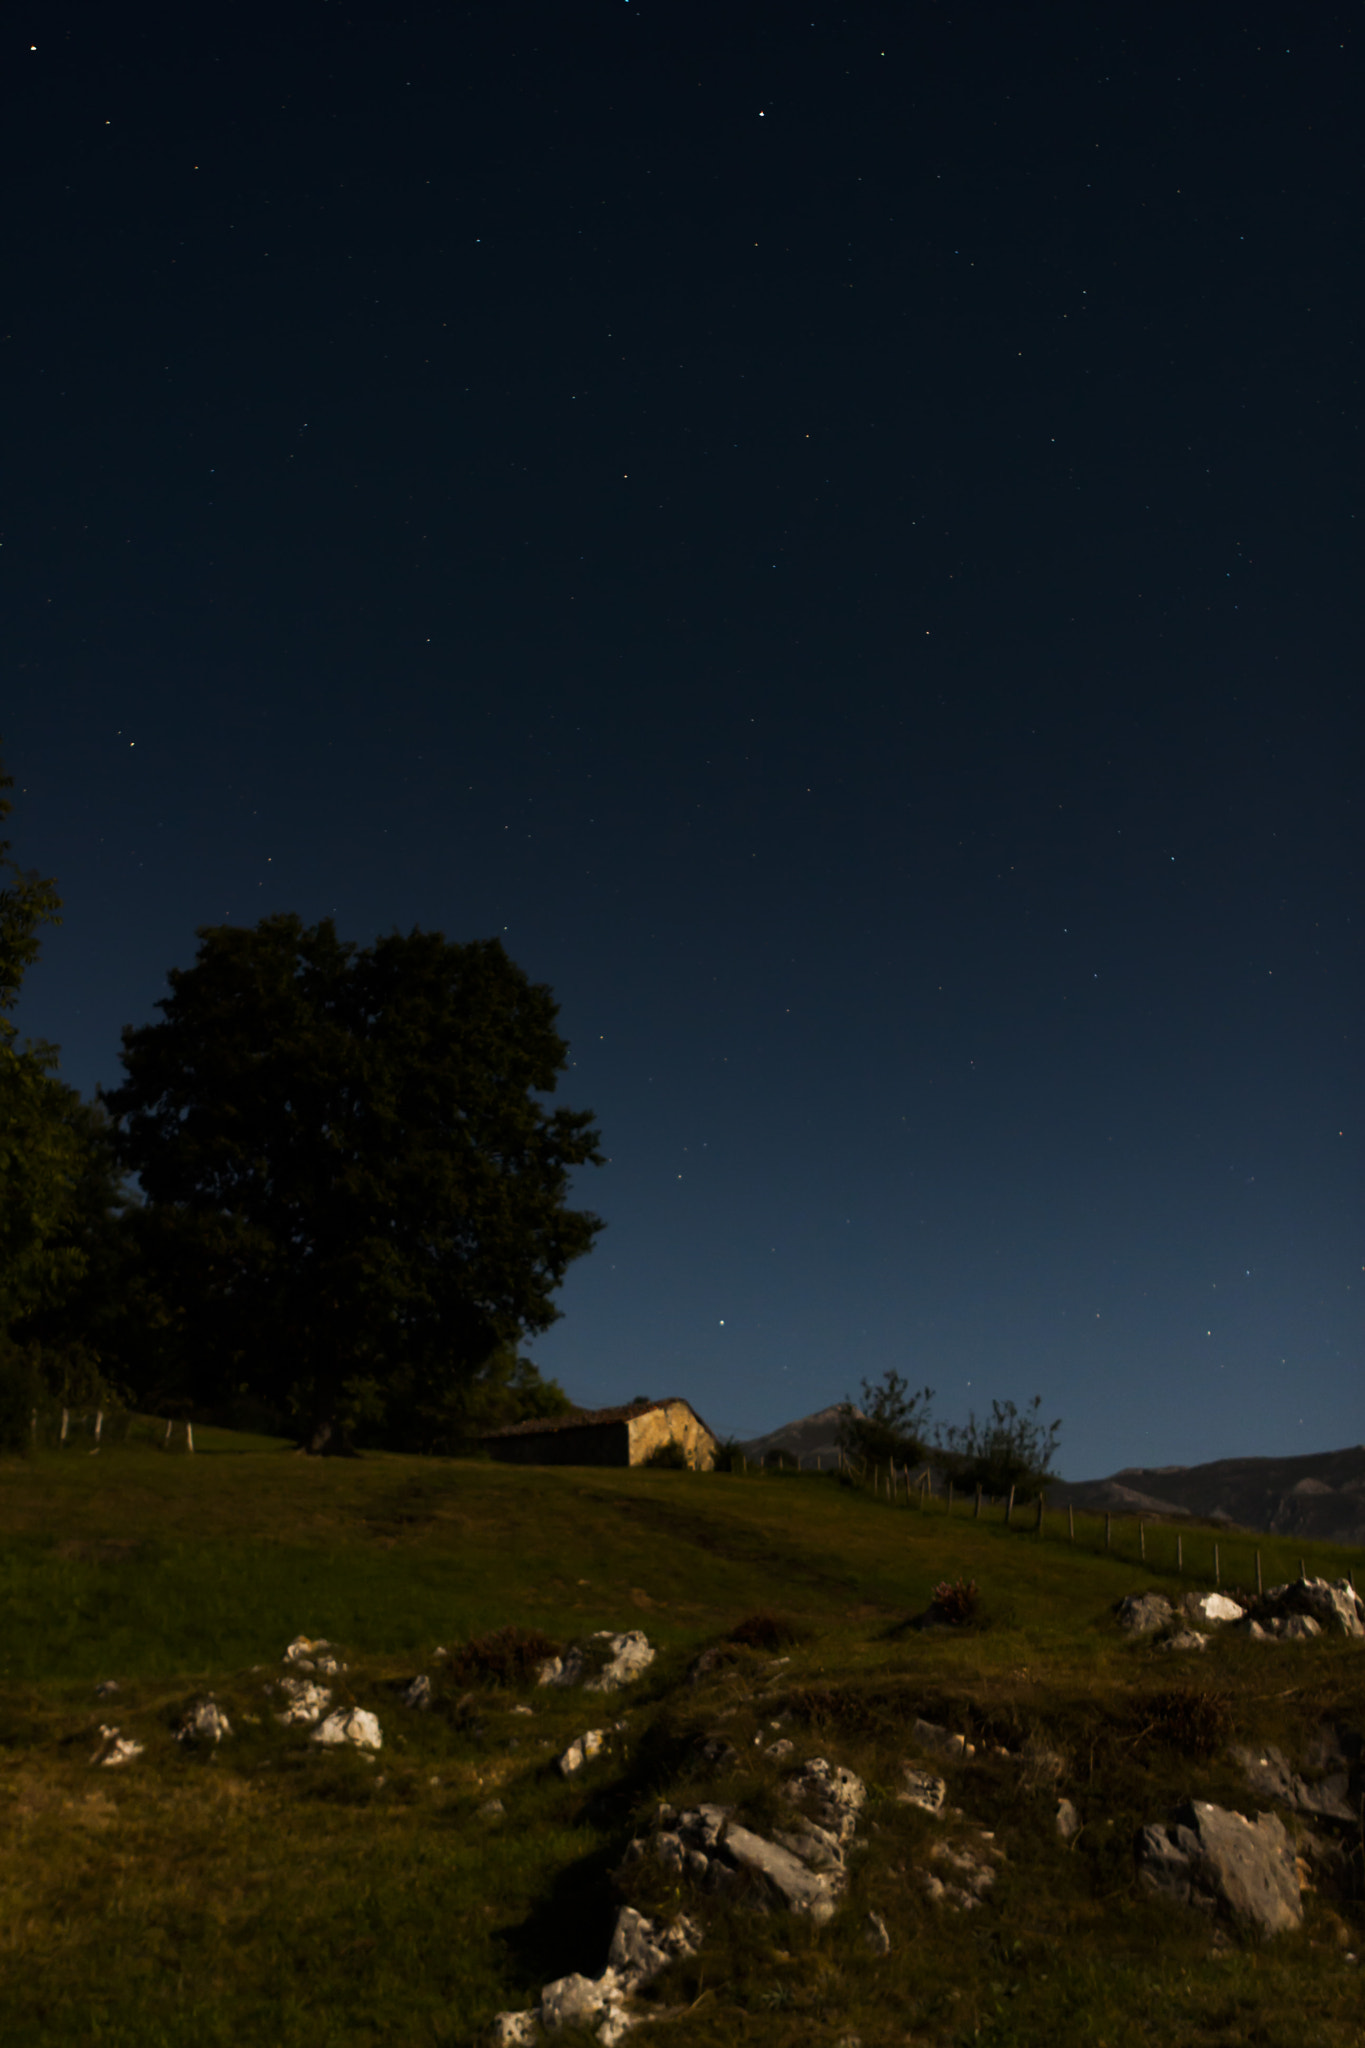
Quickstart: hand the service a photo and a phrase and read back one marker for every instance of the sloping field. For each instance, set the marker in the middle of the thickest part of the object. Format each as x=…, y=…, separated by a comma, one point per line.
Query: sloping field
x=267, y=1890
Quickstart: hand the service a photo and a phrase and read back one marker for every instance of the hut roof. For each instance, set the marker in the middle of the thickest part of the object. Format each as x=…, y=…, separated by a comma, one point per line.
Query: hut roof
x=588, y=1418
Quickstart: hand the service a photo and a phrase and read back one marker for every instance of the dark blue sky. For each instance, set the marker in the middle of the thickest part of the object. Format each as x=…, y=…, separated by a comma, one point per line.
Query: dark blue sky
x=837, y=536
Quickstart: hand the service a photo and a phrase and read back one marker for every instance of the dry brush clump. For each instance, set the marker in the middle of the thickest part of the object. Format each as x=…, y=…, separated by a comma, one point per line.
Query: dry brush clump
x=506, y=1656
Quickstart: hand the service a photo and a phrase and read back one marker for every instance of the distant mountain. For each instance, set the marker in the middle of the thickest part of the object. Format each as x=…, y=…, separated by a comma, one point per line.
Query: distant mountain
x=812, y=1437
x=1320, y=1496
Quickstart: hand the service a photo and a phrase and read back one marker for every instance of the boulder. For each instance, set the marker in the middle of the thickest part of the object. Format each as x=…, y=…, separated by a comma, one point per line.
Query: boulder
x=964, y=1873
x=1281, y=1628
x=1211, y=1858
x=1333, y=1604
x=205, y=1722
x=115, y=1749
x=922, y=1789
x=622, y=1658
x=515, y=2030
x=1184, y=1639
x=1068, y=1821
x=796, y=1887
x=417, y=1693
x=1213, y=1607
x=308, y=1702
x=350, y=1725
x=875, y=1935
x=581, y=1750
x=1269, y=1773
x=1143, y=1613
x=312, y=1653
x=939, y=1741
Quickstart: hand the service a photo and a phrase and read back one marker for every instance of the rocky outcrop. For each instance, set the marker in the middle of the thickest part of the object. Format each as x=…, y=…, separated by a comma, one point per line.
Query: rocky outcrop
x=604, y=1663
x=640, y=1949
x=205, y=1722
x=802, y=1867
x=1144, y=1613
x=353, y=1727
x=1210, y=1858
x=1327, y=1795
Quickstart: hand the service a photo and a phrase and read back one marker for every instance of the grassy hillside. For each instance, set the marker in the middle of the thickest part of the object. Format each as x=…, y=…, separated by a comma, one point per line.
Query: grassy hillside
x=271, y=1892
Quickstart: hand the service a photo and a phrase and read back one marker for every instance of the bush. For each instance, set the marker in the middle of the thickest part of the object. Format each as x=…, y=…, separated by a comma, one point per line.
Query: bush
x=764, y=1631
x=1005, y=1450
x=893, y=1426
x=956, y=1602
x=507, y=1656
x=669, y=1457
x=21, y=1391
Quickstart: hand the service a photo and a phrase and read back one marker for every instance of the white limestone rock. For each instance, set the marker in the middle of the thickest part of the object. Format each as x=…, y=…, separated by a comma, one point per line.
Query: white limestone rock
x=115, y=1749
x=1215, y=1607
x=309, y=1653
x=308, y=1702
x=1184, y=1639
x=1210, y=1858
x=1144, y=1613
x=622, y=1659
x=515, y=2030
x=205, y=1722
x=922, y=1789
x=581, y=1750
x=1068, y=1820
x=355, y=1726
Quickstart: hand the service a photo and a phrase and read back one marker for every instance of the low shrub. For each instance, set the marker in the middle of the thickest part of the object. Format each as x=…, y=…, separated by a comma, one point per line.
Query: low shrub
x=956, y=1602
x=506, y=1656
x=764, y=1631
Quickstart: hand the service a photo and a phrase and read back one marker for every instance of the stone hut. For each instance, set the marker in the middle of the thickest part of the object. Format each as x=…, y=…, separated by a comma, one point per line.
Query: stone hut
x=607, y=1436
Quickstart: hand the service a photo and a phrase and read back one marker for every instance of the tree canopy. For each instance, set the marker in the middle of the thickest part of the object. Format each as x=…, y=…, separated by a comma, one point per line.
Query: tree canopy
x=352, y=1193
x=57, y=1187
x=1008, y=1448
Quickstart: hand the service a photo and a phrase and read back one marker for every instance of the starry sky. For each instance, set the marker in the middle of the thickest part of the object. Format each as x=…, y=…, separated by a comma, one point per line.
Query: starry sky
x=836, y=535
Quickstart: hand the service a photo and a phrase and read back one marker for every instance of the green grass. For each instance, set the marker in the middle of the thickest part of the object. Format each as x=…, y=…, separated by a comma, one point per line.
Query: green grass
x=276, y=1894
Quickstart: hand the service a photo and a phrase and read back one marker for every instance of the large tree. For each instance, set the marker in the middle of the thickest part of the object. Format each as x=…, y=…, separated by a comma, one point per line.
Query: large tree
x=58, y=1194
x=352, y=1192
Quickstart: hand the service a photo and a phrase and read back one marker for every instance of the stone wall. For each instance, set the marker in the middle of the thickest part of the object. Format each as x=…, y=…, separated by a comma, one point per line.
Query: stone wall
x=672, y=1422
x=602, y=1443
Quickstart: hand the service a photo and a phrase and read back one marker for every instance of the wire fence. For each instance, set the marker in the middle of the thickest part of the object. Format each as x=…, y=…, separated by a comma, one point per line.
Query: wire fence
x=1168, y=1547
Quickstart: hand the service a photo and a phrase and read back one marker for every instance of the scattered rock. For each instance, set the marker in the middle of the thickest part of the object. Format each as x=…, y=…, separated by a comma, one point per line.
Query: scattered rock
x=580, y=1751
x=106, y=1688
x=1208, y=1857
x=353, y=1725
x=515, y=2030
x=417, y=1693
x=307, y=1702
x=307, y=1653
x=876, y=1936
x=1184, y=1639
x=640, y=1949
x=798, y=1888
x=776, y=1751
x=115, y=1748
x=1281, y=1628
x=1268, y=1772
x=1213, y=1607
x=1144, y=1613
x=520, y=1710
x=717, y=1754
x=492, y=1809
x=626, y=1657
x=941, y=1741
x=1068, y=1821
x=966, y=1873
x=205, y=1722
x=1333, y=1604
x=922, y=1789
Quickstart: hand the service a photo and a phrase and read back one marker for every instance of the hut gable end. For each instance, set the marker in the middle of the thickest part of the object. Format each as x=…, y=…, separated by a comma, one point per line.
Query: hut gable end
x=606, y=1436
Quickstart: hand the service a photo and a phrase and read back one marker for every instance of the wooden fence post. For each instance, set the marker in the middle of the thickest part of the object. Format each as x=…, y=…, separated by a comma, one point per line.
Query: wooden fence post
x=1106, y=1531
x=1259, y=1587
x=1142, y=1541
x=166, y=1440
x=976, y=1512
x=1302, y=1573
x=1217, y=1574
x=1009, y=1510
x=1070, y=1523
x=1179, y=1552
x=65, y=1419
x=189, y=1436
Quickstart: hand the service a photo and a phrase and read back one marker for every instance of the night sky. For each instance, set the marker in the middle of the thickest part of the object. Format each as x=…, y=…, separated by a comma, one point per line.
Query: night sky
x=835, y=535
